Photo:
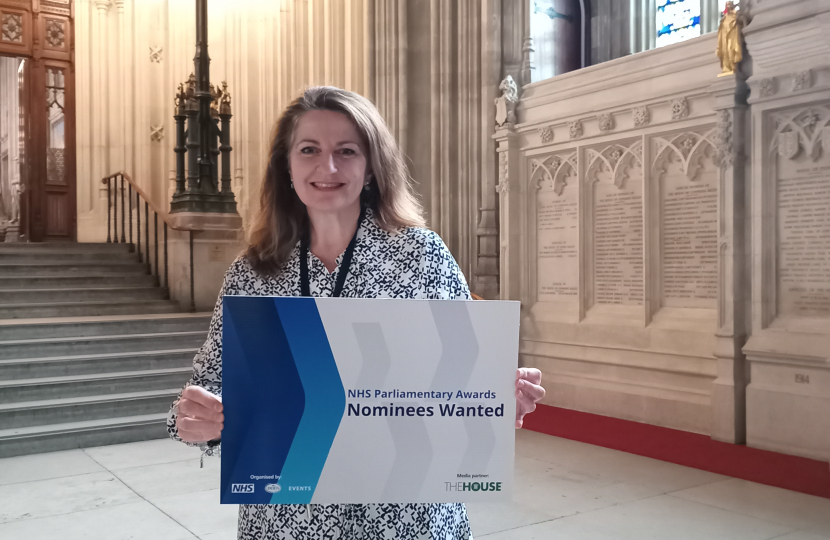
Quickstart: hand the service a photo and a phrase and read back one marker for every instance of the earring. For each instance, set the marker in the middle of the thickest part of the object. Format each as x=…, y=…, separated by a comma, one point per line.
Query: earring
x=292, y=184
x=367, y=184
x=291, y=179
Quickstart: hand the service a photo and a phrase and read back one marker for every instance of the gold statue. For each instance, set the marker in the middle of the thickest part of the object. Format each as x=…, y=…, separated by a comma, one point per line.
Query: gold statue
x=730, y=41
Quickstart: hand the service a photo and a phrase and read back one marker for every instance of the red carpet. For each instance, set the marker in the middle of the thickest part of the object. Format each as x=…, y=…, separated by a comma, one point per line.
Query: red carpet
x=684, y=448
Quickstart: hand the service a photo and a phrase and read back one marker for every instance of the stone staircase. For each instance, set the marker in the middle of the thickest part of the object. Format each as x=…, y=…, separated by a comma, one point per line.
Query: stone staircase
x=91, y=351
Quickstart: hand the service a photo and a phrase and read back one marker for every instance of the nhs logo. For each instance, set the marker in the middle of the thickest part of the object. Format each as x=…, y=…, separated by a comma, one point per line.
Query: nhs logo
x=242, y=488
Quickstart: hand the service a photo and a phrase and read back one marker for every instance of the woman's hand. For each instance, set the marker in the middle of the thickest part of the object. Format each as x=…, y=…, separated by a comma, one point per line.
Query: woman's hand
x=528, y=392
x=200, y=416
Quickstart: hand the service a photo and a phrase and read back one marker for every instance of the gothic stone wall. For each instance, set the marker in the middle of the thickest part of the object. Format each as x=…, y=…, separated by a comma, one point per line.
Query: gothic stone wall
x=612, y=223
x=788, y=396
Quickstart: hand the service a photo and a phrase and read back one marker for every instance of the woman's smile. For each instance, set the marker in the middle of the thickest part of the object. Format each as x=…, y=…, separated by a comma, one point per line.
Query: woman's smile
x=327, y=186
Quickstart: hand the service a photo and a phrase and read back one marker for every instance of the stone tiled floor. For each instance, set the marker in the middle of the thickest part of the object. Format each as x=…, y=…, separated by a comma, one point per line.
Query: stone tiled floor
x=564, y=490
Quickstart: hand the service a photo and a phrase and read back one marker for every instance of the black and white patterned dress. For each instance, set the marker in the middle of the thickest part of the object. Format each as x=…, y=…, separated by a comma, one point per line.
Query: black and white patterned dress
x=413, y=263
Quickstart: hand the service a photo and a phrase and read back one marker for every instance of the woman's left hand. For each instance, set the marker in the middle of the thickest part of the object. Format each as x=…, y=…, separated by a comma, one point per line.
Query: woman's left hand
x=528, y=392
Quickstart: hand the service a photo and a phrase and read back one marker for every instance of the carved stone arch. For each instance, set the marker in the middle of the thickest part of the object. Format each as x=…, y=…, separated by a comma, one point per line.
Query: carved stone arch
x=807, y=128
x=688, y=147
x=617, y=159
x=550, y=173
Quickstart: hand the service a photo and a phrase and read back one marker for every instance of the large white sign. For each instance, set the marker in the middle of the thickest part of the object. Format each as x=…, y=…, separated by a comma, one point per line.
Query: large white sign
x=338, y=400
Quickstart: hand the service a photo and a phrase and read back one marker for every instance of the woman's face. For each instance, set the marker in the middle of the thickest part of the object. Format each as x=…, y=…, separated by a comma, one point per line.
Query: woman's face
x=328, y=162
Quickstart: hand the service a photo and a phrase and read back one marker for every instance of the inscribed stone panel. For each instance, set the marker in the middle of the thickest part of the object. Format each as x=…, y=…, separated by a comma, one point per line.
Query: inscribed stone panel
x=802, y=153
x=689, y=227
x=617, y=224
x=557, y=218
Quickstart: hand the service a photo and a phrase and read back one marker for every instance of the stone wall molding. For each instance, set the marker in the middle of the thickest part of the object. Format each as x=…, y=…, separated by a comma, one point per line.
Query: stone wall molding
x=802, y=80
x=641, y=116
x=723, y=138
x=679, y=108
x=606, y=122
x=575, y=129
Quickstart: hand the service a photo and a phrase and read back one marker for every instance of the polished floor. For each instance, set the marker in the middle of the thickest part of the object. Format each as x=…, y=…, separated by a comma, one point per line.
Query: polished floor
x=564, y=490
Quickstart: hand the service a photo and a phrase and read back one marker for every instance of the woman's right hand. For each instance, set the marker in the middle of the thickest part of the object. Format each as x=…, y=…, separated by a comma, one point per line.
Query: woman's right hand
x=200, y=416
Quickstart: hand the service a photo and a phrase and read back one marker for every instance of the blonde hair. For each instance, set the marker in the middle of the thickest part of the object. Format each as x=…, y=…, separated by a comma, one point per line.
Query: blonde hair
x=282, y=219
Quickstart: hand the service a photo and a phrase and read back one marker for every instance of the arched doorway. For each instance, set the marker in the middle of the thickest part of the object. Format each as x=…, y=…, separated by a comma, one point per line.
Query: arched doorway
x=37, y=121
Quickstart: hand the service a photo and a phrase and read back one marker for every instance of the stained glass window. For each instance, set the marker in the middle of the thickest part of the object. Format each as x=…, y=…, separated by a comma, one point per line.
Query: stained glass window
x=542, y=31
x=677, y=20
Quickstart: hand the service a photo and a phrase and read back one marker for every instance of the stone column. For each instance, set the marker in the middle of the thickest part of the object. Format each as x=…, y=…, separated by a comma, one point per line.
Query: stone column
x=486, y=280
x=729, y=388
x=123, y=74
x=390, y=50
x=510, y=214
x=709, y=16
x=643, y=19
x=100, y=85
x=527, y=67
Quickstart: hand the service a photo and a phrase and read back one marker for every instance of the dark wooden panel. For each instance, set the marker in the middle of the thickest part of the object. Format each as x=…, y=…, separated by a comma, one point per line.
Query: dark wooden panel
x=46, y=40
x=57, y=223
x=56, y=180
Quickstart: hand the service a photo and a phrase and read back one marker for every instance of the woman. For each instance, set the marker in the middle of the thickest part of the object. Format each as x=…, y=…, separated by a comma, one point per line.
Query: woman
x=337, y=218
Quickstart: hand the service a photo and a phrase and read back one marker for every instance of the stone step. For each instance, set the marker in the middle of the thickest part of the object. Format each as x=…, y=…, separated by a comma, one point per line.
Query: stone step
x=87, y=309
x=77, y=281
x=60, y=411
x=46, y=347
x=38, y=439
x=91, y=353
x=75, y=327
x=90, y=364
x=40, y=296
x=92, y=385
x=68, y=247
x=43, y=255
x=10, y=269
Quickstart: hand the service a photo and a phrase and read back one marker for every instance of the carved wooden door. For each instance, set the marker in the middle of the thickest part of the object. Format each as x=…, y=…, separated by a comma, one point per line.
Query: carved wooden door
x=41, y=32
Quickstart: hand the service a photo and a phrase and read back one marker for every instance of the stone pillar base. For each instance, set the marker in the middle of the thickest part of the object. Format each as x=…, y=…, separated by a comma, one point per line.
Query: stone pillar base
x=214, y=249
x=12, y=233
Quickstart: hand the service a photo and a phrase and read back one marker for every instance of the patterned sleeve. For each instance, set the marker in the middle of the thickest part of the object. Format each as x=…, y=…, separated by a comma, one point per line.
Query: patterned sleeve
x=207, y=364
x=441, y=277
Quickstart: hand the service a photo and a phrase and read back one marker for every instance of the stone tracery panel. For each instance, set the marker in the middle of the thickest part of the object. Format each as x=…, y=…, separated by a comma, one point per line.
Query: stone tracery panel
x=554, y=179
x=801, y=150
x=615, y=175
x=687, y=174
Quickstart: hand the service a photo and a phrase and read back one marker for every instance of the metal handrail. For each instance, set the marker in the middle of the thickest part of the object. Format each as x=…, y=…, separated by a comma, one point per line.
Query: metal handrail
x=112, y=181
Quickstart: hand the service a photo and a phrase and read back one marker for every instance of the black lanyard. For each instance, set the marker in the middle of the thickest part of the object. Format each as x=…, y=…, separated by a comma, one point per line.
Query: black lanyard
x=343, y=271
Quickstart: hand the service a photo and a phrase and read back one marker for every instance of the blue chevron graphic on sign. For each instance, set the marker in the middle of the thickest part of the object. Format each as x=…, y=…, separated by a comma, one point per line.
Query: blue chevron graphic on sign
x=325, y=399
x=292, y=443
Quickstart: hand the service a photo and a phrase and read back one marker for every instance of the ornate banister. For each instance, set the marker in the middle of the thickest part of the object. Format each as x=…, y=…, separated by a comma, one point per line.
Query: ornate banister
x=113, y=188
